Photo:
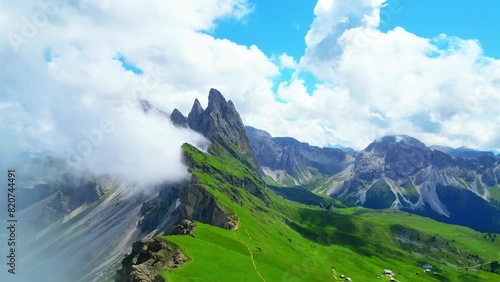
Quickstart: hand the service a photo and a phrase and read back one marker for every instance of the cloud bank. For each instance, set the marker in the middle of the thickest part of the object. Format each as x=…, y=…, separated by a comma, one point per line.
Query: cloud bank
x=442, y=90
x=72, y=68
x=73, y=72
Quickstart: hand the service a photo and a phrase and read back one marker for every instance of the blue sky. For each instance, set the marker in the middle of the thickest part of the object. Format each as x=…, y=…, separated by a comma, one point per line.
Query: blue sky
x=280, y=26
x=275, y=26
x=126, y=64
x=465, y=19
x=370, y=85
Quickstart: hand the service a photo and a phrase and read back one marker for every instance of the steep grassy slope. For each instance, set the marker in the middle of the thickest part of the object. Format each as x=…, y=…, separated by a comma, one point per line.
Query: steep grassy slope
x=279, y=240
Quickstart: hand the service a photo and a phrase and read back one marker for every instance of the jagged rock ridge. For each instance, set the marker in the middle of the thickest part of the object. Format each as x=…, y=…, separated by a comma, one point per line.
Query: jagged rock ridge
x=396, y=172
x=178, y=118
x=219, y=122
x=222, y=125
x=285, y=159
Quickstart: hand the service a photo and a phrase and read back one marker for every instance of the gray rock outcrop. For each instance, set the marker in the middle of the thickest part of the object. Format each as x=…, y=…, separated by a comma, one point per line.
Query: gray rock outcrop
x=147, y=259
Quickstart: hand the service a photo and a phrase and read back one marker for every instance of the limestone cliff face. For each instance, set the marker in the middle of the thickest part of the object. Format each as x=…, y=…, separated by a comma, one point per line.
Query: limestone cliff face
x=200, y=205
x=400, y=158
x=161, y=213
x=277, y=153
x=74, y=192
x=393, y=157
x=184, y=200
x=88, y=225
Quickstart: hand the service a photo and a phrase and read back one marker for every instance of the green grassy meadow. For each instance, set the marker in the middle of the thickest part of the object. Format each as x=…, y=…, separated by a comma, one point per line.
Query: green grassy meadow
x=283, y=240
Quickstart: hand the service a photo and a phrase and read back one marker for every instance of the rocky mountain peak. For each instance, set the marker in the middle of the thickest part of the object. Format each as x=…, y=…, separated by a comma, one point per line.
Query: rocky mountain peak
x=394, y=156
x=145, y=105
x=219, y=122
x=391, y=141
x=215, y=98
x=197, y=108
x=258, y=133
x=178, y=118
x=195, y=117
x=147, y=108
x=403, y=173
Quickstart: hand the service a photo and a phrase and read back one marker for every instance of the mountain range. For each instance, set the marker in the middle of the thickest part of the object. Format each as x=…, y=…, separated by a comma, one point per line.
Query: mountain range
x=462, y=151
x=393, y=172
x=261, y=208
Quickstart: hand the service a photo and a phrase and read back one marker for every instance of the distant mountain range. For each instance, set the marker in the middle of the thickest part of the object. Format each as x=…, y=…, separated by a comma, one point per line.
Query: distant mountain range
x=288, y=161
x=396, y=172
x=462, y=151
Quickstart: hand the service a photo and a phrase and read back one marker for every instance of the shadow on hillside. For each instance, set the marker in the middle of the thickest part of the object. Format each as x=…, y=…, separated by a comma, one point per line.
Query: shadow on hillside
x=331, y=229
x=298, y=194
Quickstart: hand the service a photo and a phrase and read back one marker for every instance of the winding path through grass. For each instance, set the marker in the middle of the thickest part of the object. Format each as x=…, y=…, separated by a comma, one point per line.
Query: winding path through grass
x=485, y=263
x=251, y=256
x=334, y=273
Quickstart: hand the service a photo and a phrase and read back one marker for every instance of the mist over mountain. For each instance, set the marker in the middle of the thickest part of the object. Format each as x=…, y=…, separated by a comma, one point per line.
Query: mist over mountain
x=61, y=209
x=86, y=222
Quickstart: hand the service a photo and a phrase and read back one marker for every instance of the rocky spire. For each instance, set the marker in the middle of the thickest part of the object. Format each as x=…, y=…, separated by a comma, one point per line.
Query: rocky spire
x=145, y=105
x=147, y=108
x=215, y=99
x=196, y=116
x=220, y=122
x=178, y=118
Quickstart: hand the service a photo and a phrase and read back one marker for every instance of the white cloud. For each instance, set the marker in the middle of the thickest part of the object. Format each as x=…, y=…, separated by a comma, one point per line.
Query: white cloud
x=442, y=90
x=371, y=83
x=287, y=61
x=57, y=105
